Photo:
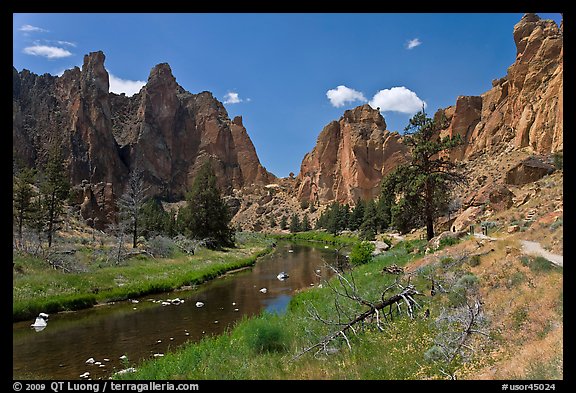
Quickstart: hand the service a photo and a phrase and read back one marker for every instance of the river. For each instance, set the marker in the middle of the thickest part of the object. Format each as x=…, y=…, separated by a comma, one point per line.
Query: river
x=144, y=328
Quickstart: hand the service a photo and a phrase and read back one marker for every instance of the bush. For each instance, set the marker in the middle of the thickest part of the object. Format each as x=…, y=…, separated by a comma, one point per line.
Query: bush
x=448, y=241
x=361, y=253
x=559, y=160
x=474, y=260
x=161, y=246
x=267, y=336
x=537, y=264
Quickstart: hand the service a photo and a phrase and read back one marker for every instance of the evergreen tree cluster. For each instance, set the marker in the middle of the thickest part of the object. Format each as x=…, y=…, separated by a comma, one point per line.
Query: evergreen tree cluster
x=40, y=210
x=367, y=217
x=205, y=216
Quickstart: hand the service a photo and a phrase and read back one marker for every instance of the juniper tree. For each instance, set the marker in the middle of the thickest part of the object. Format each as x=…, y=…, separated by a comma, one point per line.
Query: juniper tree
x=54, y=189
x=22, y=194
x=206, y=215
x=420, y=189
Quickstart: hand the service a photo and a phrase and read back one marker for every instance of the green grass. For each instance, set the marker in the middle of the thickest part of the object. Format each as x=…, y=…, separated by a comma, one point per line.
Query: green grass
x=318, y=236
x=37, y=288
x=264, y=347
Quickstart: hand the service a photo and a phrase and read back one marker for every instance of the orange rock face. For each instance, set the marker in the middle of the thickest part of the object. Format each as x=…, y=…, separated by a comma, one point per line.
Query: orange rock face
x=350, y=158
x=163, y=130
x=524, y=108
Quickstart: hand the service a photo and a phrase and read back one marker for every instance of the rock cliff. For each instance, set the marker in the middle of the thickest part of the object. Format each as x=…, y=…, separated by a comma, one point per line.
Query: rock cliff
x=525, y=107
x=164, y=130
x=350, y=158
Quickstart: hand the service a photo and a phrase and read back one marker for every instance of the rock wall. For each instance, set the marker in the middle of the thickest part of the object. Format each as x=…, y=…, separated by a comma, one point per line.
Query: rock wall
x=350, y=158
x=164, y=130
x=525, y=107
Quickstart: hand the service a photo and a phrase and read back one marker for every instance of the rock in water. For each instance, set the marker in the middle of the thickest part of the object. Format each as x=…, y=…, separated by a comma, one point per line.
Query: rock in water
x=40, y=322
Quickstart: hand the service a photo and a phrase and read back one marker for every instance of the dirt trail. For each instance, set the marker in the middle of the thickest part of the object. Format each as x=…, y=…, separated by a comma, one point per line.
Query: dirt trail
x=530, y=247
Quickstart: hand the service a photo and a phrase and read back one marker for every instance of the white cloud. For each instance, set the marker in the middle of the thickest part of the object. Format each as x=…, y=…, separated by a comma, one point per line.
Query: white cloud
x=397, y=99
x=30, y=29
x=50, y=52
x=413, y=43
x=128, y=87
x=66, y=43
x=342, y=95
x=232, y=98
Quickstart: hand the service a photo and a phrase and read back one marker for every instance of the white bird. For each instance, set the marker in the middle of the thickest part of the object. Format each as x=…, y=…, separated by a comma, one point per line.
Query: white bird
x=263, y=290
x=199, y=304
x=90, y=361
x=282, y=276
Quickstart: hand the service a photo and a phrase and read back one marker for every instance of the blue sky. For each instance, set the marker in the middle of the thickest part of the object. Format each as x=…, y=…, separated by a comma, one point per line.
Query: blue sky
x=287, y=75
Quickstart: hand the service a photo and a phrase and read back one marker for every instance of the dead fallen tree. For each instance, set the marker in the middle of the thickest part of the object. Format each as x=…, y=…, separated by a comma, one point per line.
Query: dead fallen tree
x=376, y=310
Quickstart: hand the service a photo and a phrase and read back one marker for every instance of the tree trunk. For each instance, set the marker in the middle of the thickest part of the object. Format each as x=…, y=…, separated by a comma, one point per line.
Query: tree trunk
x=135, y=235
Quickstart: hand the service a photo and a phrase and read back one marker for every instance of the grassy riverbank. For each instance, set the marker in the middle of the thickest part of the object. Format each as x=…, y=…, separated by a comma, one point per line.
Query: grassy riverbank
x=516, y=332
x=39, y=288
x=264, y=347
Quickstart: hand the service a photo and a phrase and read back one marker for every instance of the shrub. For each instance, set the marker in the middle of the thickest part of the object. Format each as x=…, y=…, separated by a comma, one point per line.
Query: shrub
x=474, y=260
x=361, y=253
x=434, y=354
x=266, y=335
x=448, y=241
x=559, y=160
x=161, y=246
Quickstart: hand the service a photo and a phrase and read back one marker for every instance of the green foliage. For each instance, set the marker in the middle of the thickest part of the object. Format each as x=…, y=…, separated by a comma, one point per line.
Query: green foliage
x=267, y=335
x=361, y=253
x=54, y=189
x=273, y=223
x=519, y=317
x=447, y=242
x=357, y=215
x=369, y=225
x=154, y=220
x=22, y=193
x=558, y=158
x=419, y=191
x=206, y=215
x=306, y=223
x=538, y=264
x=283, y=223
x=295, y=225
x=474, y=260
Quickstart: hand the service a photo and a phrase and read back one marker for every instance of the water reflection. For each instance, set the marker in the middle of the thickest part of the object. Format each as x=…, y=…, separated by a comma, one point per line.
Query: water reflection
x=143, y=330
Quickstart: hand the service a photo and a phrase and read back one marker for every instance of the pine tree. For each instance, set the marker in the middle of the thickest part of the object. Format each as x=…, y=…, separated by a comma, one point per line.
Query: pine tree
x=54, y=189
x=306, y=223
x=295, y=225
x=154, y=220
x=357, y=215
x=206, y=215
x=283, y=223
x=22, y=194
x=420, y=189
x=369, y=225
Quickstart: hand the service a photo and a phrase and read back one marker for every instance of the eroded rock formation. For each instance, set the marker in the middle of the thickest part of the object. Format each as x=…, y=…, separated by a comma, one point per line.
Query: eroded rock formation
x=350, y=158
x=525, y=107
x=163, y=130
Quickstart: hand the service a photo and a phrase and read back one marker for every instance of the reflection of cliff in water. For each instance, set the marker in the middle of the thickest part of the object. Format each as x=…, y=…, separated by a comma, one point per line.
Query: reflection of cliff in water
x=147, y=328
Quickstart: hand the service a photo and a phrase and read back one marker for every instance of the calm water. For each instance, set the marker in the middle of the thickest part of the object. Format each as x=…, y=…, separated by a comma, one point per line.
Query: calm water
x=142, y=330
